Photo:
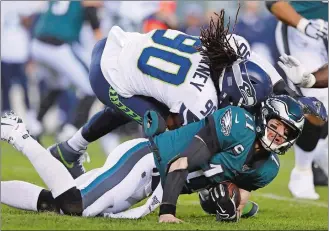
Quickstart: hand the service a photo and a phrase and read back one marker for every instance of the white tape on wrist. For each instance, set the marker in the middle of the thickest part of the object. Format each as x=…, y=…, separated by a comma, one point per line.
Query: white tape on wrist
x=302, y=25
x=308, y=81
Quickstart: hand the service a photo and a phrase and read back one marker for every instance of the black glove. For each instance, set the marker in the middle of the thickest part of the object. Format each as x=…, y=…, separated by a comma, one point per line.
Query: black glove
x=225, y=205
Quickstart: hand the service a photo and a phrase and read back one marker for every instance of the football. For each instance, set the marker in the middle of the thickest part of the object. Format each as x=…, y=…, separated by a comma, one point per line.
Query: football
x=234, y=192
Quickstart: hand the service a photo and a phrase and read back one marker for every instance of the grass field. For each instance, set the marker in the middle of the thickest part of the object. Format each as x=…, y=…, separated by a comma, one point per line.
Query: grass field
x=278, y=210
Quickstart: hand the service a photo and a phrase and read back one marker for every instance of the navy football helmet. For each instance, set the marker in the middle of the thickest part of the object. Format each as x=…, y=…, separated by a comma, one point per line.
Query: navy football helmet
x=288, y=111
x=244, y=84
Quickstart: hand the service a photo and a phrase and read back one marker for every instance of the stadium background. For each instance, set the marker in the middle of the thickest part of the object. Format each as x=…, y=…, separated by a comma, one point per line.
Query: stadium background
x=278, y=210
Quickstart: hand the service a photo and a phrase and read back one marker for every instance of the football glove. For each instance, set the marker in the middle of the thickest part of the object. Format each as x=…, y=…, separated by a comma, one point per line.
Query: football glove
x=313, y=106
x=295, y=72
x=225, y=206
x=313, y=28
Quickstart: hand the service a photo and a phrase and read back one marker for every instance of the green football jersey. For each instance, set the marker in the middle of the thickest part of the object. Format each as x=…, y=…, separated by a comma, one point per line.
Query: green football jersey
x=235, y=130
x=311, y=9
x=62, y=20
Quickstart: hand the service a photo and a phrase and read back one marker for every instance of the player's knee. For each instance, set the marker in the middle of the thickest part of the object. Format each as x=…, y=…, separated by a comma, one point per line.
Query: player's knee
x=179, y=164
x=70, y=202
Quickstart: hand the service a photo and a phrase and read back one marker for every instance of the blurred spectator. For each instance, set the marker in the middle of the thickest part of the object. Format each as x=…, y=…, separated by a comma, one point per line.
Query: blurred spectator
x=163, y=18
x=16, y=19
x=258, y=27
x=193, y=20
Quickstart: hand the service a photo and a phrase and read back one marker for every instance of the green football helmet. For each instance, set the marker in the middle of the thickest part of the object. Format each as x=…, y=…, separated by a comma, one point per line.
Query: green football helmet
x=286, y=110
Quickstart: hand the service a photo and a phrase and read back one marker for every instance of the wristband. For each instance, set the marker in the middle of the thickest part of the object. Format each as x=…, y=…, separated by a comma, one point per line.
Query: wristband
x=167, y=209
x=308, y=81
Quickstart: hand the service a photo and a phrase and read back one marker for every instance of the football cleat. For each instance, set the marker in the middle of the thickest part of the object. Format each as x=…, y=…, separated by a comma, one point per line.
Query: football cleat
x=250, y=209
x=71, y=159
x=301, y=184
x=13, y=130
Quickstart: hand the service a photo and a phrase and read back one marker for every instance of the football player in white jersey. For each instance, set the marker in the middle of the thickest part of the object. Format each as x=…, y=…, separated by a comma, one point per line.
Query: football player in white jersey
x=182, y=77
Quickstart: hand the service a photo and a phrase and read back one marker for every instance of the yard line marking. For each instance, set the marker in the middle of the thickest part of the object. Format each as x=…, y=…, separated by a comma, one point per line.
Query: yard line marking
x=271, y=196
x=300, y=201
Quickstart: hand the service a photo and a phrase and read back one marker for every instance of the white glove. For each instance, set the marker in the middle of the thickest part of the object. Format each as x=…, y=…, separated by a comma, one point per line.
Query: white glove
x=295, y=72
x=313, y=28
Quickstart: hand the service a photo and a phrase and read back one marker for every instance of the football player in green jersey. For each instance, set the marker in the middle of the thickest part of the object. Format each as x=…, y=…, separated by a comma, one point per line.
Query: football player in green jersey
x=302, y=32
x=229, y=145
x=56, y=46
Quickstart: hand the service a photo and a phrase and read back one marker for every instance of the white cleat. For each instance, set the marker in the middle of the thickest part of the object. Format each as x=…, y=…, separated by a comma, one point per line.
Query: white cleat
x=13, y=130
x=301, y=184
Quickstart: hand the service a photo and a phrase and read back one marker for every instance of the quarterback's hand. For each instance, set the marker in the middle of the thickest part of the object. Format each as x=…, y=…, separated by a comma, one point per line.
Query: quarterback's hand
x=295, y=72
x=225, y=207
x=169, y=218
x=313, y=106
x=317, y=28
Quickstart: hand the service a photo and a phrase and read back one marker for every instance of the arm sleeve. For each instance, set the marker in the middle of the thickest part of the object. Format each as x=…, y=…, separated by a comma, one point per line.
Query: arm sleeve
x=269, y=4
x=91, y=16
x=198, y=151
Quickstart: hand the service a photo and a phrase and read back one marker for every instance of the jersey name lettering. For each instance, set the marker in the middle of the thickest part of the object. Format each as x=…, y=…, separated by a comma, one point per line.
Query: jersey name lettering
x=201, y=75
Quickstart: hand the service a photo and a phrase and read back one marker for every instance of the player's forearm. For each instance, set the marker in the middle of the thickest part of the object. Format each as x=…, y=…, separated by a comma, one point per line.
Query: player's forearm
x=284, y=12
x=195, y=154
x=173, y=186
x=321, y=76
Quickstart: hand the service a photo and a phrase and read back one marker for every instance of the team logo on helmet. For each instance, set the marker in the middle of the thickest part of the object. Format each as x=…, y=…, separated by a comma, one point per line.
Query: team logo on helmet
x=246, y=89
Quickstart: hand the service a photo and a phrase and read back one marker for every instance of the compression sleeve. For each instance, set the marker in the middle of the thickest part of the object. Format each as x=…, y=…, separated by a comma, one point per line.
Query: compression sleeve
x=269, y=4
x=199, y=151
x=91, y=16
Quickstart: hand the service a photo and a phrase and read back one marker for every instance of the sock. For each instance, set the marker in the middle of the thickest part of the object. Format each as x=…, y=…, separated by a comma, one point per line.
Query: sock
x=303, y=159
x=20, y=194
x=53, y=173
x=77, y=142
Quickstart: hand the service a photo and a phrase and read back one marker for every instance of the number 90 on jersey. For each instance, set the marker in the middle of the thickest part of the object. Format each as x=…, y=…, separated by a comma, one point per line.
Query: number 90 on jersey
x=168, y=66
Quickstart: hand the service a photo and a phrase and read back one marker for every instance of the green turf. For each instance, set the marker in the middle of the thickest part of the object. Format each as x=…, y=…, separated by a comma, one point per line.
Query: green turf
x=278, y=211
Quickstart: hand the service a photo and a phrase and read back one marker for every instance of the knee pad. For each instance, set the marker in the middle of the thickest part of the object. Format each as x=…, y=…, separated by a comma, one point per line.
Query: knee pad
x=46, y=202
x=70, y=202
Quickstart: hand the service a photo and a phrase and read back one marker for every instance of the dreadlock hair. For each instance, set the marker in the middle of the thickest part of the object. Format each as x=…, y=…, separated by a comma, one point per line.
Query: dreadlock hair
x=215, y=46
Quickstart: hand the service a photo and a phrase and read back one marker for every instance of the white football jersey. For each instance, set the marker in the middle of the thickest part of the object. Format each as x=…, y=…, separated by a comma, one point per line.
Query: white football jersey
x=162, y=64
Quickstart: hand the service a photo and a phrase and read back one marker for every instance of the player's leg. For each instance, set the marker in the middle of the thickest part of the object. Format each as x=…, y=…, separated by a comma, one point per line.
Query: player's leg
x=115, y=115
x=124, y=180
x=76, y=70
x=290, y=41
x=59, y=181
x=6, y=73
